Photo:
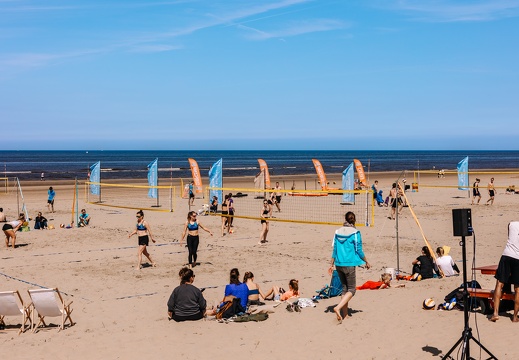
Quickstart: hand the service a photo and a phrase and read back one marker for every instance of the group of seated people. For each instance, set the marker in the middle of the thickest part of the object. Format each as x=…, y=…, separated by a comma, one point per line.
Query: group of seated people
x=41, y=222
x=187, y=302
x=424, y=267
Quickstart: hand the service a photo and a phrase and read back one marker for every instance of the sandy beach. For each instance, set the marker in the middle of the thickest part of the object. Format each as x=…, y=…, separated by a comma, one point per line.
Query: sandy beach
x=120, y=312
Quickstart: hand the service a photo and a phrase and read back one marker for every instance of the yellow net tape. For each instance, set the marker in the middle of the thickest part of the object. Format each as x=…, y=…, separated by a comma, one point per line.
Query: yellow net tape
x=301, y=206
x=129, y=196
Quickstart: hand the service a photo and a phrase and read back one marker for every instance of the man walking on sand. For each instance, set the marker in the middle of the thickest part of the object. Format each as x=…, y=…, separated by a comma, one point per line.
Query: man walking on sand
x=491, y=191
x=475, y=192
x=508, y=271
x=277, y=191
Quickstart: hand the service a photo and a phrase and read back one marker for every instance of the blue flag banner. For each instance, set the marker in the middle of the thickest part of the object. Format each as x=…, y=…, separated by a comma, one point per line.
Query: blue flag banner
x=347, y=184
x=95, y=176
x=463, y=174
x=153, y=178
x=215, y=181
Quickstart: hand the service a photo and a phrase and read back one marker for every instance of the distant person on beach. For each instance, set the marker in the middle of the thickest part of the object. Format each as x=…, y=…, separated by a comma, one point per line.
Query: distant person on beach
x=266, y=210
x=225, y=215
x=491, y=191
x=84, y=218
x=50, y=199
x=40, y=222
x=186, y=302
x=3, y=218
x=346, y=256
x=191, y=193
x=393, y=201
x=508, y=271
x=193, y=240
x=254, y=289
x=42, y=177
x=143, y=231
x=423, y=265
x=475, y=192
x=231, y=210
x=11, y=228
x=445, y=263
x=278, y=193
x=214, y=204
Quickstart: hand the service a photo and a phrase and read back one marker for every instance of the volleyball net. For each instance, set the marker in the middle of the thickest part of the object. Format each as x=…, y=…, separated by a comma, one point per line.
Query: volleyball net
x=4, y=185
x=450, y=178
x=302, y=206
x=132, y=196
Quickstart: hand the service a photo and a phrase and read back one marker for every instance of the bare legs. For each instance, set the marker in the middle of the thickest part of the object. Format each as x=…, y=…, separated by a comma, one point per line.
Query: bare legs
x=343, y=303
x=497, y=298
x=143, y=250
x=264, y=232
x=225, y=224
x=10, y=234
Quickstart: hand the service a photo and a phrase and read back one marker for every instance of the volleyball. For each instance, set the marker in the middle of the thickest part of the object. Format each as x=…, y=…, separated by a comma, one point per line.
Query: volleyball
x=62, y=225
x=429, y=304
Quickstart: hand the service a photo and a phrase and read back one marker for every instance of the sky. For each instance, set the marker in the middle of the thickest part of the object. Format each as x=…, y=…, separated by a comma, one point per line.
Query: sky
x=269, y=74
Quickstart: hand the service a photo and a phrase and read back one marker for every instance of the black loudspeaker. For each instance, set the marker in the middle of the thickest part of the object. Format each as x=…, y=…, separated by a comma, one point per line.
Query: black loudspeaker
x=462, y=222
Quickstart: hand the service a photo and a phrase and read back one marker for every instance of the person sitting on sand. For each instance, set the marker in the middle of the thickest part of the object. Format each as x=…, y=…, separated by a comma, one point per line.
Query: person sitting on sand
x=3, y=218
x=254, y=290
x=236, y=289
x=186, y=302
x=384, y=283
x=84, y=218
x=445, y=263
x=279, y=294
x=40, y=222
x=214, y=204
x=424, y=266
x=11, y=228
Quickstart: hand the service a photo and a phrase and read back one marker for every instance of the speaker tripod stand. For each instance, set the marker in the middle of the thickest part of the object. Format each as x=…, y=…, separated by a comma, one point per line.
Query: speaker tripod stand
x=466, y=335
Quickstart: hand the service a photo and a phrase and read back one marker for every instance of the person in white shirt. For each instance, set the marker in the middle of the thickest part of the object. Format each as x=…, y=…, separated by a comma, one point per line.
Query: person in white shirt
x=445, y=263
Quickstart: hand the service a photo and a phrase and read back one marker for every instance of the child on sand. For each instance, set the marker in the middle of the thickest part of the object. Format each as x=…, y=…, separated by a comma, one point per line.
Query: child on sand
x=279, y=294
x=384, y=283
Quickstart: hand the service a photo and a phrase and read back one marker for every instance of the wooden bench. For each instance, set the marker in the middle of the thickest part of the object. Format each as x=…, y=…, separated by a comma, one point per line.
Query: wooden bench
x=489, y=294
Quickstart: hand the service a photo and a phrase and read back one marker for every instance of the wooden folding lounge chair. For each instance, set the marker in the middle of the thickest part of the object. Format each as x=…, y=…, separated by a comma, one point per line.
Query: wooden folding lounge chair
x=10, y=306
x=48, y=302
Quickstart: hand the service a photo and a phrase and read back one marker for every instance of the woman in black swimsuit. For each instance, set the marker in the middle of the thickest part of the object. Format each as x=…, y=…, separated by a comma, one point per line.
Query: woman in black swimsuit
x=264, y=215
x=225, y=217
x=143, y=231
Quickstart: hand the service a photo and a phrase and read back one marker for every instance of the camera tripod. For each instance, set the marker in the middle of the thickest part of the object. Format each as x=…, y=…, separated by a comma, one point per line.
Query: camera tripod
x=466, y=335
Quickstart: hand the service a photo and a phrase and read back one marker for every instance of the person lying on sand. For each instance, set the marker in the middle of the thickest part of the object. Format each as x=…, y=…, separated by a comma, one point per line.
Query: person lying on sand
x=384, y=283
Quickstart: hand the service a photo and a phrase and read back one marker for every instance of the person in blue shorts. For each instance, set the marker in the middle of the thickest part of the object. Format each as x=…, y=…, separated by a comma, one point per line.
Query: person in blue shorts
x=50, y=200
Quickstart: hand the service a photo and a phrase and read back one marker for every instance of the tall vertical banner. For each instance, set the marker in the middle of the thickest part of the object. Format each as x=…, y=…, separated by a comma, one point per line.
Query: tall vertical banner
x=215, y=181
x=360, y=172
x=463, y=174
x=347, y=184
x=195, y=172
x=265, y=169
x=320, y=174
x=153, y=178
x=95, y=177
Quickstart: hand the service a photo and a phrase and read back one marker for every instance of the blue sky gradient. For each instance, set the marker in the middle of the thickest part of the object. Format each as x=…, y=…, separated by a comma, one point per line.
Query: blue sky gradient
x=239, y=74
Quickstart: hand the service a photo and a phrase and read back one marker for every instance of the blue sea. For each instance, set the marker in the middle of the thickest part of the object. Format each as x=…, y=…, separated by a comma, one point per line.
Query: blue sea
x=62, y=165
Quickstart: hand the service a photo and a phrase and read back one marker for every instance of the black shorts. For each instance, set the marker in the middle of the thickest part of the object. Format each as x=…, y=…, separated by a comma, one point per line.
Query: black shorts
x=508, y=270
x=491, y=193
x=224, y=213
x=278, y=199
x=7, y=227
x=476, y=192
x=263, y=221
x=144, y=240
x=191, y=195
x=50, y=202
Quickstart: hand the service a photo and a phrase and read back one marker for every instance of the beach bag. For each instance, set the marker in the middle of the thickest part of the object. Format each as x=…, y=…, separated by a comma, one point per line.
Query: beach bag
x=457, y=296
x=229, y=309
x=332, y=290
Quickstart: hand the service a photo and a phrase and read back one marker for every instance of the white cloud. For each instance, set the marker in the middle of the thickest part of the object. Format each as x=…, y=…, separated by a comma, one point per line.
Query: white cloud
x=296, y=29
x=151, y=48
x=455, y=10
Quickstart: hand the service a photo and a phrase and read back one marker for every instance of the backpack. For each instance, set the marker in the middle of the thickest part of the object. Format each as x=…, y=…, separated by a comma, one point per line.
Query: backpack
x=332, y=290
x=229, y=309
